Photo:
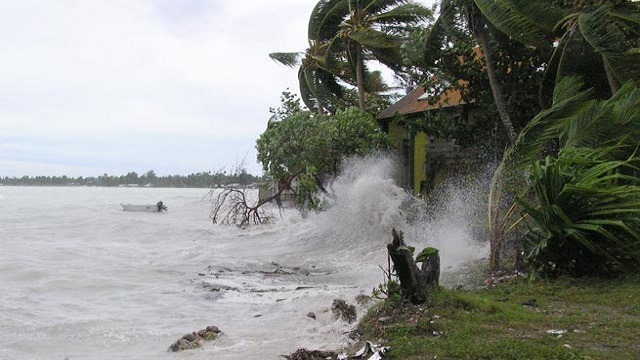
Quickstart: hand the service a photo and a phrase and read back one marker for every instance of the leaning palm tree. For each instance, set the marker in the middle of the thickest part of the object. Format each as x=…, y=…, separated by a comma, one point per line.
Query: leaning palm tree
x=358, y=30
x=598, y=39
x=320, y=87
x=577, y=119
x=450, y=12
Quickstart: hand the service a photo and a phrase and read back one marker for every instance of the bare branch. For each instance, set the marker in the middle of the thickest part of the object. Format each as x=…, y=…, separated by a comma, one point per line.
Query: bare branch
x=230, y=205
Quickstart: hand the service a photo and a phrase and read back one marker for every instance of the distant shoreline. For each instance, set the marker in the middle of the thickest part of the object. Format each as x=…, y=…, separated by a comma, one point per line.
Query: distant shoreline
x=148, y=179
x=248, y=186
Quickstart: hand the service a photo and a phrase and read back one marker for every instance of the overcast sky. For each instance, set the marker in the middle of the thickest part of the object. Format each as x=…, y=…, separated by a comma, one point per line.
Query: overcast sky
x=110, y=86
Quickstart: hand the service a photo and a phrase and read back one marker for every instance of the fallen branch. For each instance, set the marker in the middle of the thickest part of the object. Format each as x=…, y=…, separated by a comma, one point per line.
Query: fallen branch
x=231, y=205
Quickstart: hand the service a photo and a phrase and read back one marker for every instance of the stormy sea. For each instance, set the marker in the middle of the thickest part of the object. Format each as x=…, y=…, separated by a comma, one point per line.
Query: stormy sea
x=82, y=279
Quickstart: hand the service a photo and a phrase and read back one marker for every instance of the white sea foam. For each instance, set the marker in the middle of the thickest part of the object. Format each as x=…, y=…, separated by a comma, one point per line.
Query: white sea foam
x=83, y=279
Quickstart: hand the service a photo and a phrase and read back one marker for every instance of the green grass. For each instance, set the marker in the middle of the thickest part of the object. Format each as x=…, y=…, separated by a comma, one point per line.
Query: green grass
x=601, y=319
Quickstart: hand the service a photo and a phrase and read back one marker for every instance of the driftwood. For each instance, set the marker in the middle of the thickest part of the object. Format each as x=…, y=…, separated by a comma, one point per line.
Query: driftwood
x=415, y=283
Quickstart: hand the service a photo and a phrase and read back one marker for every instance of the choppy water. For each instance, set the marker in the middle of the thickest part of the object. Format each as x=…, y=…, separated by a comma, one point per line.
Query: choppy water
x=81, y=279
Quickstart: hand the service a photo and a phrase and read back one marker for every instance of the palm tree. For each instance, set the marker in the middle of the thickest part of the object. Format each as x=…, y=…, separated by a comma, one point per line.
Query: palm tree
x=582, y=200
x=450, y=11
x=577, y=119
x=320, y=89
x=358, y=30
x=321, y=86
x=604, y=33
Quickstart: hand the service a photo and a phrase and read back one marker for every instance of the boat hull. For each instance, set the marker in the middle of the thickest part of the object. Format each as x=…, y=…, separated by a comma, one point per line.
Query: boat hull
x=140, y=208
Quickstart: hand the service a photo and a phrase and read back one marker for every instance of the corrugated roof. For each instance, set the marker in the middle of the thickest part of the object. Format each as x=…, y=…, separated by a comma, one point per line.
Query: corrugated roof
x=412, y=104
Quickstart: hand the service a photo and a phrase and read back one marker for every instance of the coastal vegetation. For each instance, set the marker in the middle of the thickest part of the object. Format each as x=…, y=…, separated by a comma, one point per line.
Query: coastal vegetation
x=149, y=178
x=567, y=318
x=302, y=150
x=561, y=79
x=567, y=69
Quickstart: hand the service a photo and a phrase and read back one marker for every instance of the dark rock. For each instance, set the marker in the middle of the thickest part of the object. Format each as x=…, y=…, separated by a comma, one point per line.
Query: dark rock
x=304, y=354
x=190, y=337
x=184, y=344
x=311, y=315
x=210, y=333
x=192, y=340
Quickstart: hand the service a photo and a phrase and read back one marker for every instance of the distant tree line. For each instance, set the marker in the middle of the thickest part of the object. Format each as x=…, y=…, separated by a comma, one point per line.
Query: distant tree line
x=195, y=180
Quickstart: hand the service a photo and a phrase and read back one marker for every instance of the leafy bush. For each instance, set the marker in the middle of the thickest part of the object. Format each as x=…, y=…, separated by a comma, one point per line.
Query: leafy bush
x=574, y=173
x=584, y=214
x=303, y=149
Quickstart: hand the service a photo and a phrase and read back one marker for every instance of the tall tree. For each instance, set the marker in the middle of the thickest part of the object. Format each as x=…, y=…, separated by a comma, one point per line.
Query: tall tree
x=452, y=11
x=358, y=30
x=596, y=39
x=319, y=84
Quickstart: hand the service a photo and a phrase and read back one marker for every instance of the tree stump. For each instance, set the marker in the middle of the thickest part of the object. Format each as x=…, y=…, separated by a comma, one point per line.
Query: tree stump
x=415, y=283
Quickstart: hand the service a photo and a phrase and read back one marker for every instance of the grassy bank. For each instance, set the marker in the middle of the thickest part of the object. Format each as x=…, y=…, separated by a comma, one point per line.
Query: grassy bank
x=561, y=319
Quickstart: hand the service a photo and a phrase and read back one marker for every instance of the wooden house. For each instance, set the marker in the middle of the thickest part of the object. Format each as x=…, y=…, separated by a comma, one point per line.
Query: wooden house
x=426, y=158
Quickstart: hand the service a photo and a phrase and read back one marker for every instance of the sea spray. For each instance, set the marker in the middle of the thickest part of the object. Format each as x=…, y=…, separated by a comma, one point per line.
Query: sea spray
x=366, y=204
x=453, y=219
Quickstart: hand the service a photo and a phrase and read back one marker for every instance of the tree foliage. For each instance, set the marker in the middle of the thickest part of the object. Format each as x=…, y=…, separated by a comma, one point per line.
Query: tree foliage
x=320, y=83
x=582, y=157
x=196, y=180
x=343, y=35
x=598, y=40
x=367, y=30
x=453, y=15
x=305, y=149
x=445, y=57
x=583, y=214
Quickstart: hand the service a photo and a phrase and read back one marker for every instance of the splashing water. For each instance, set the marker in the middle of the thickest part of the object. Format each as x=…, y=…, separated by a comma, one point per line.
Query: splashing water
x=368, y=205
x=84, y=279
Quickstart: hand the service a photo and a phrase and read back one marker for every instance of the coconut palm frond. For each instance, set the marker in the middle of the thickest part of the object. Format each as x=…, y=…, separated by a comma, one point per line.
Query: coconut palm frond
x=410, y=13
x=371, y=38
x=516, y=19
x=440, y=28
x=291, y=59
x=306, y=93
x=550, y=76
x=609, y=34
x=383, y=47
x=319, y=90
x=545, y=15
x=541, y=131
x=326, y=18
x=377, y=6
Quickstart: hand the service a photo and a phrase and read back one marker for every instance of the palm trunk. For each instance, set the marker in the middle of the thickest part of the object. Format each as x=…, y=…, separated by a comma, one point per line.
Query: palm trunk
x=360, y=77
x=496, y=88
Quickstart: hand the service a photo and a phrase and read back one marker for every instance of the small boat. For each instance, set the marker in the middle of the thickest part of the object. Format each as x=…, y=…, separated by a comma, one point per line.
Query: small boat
x=159, y=207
